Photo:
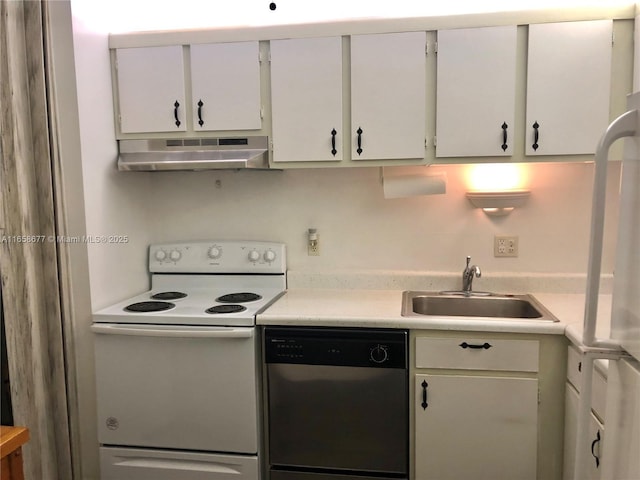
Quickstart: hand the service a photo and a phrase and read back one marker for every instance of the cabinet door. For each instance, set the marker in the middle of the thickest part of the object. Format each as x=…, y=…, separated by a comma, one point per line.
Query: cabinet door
x=476, y=91
x=571, y=402
x=388, y=106
x=151, y=94
x=568, y=86
x=225, y=80
x=306, y=99
x=596, y=438
x=477, y=427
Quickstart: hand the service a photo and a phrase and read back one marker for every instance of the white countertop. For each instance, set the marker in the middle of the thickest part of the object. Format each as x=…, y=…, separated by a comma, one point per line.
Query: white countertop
x=382, y=308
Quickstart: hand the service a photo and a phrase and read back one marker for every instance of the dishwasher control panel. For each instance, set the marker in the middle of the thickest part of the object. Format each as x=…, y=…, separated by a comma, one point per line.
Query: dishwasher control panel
x=353, y=347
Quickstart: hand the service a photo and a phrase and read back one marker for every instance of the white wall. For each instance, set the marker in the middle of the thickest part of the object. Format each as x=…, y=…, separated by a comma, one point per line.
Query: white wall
x=359, y=229
x=115, y=204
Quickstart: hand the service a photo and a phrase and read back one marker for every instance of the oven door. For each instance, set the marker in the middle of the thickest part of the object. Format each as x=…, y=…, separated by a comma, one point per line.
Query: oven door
x=177, y=387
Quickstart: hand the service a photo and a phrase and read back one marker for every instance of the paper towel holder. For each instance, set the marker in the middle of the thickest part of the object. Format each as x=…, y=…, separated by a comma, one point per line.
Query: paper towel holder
x=412, y=184
x=498, y=203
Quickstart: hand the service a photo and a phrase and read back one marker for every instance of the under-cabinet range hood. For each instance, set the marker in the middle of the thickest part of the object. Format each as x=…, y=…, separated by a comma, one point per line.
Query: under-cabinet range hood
x=160, y=154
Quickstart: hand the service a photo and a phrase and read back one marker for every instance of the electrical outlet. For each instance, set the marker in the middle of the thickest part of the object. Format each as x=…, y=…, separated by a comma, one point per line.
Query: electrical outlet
x=505, y=246
x=313, y=243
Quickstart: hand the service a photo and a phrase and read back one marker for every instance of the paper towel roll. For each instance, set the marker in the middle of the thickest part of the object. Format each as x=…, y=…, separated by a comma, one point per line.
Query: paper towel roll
x=412, y=185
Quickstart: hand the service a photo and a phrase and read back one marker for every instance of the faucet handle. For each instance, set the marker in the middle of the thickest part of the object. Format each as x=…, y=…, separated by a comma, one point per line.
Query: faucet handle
x=468, y=260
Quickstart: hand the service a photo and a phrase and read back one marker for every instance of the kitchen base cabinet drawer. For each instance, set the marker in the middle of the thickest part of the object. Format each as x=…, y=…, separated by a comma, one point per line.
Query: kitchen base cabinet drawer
x=477, y=354
x=475, y=427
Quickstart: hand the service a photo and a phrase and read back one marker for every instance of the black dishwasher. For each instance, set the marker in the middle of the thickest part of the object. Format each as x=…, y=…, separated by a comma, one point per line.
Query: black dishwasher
x=338, y=403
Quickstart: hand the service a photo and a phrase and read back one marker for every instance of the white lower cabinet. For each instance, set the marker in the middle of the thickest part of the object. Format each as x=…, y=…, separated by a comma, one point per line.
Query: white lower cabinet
x=486, y=405
x=596, y=424
x=479, y=427
x=596, y=435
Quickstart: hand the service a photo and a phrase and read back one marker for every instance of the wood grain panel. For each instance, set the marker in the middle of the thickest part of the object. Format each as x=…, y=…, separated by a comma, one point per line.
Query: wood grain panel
x=28, y=264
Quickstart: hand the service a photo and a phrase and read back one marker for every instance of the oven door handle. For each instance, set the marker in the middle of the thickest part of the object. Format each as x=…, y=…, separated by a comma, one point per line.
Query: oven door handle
x=172, y=331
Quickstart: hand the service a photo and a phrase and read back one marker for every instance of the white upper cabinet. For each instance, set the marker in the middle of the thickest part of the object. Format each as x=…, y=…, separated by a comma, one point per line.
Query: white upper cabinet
x=476, y=92
x=568, y=86
x=388, y=107
x=225, y=88
x=225, y=80
x=151, y=89
x=306, y=99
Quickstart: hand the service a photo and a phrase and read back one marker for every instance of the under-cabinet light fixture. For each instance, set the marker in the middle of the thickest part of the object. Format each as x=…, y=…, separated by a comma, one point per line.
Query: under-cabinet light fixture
x=499, y=203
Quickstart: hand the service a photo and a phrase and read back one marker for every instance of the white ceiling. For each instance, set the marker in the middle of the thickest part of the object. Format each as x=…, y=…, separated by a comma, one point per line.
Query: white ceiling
x=120, y=16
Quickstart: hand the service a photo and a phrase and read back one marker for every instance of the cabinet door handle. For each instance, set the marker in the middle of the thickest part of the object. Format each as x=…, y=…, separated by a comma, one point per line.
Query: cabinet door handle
x=485, y=345
x=593, y=446
x=536, y=135
x=359, y=132
x=200, y=105
x=424, y=386
x=175, y=113
x=333, y=142
x=504, y=136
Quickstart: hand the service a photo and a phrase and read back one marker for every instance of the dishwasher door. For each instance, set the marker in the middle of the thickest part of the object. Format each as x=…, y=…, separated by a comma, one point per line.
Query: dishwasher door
x=339, y=418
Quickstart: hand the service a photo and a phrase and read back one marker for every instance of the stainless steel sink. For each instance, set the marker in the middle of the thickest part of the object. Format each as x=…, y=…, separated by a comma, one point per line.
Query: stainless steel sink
x=457, y=304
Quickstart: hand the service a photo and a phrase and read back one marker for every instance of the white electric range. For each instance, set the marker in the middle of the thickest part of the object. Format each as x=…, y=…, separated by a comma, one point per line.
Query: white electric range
x=177, y=366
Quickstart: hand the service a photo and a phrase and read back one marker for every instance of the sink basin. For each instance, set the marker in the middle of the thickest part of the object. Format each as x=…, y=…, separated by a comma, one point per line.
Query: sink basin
x=454, y=304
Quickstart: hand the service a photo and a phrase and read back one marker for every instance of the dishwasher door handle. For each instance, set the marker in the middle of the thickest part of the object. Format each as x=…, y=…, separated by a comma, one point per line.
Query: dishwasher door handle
x=171, y=331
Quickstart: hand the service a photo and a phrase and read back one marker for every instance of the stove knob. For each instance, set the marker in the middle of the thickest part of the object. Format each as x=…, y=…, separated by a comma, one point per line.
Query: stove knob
x=379, y=354
x=161, y=255
x=215, y=252
x=254, y=256
x=175, y=255
x=269, y=255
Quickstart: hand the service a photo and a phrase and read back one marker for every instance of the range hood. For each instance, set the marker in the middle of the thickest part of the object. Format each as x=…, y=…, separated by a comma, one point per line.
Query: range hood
x=160, y=154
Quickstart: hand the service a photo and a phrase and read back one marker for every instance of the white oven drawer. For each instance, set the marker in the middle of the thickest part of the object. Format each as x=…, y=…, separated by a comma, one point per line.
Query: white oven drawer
x=182, y=387
x=143, y=464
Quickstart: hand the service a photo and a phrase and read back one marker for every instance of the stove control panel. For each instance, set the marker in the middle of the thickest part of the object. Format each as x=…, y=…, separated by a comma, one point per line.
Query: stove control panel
x=215, y=256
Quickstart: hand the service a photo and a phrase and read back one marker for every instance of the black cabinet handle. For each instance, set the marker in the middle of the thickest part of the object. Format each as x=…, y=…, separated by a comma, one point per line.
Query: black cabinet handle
x=593, y=446
x=175, y=113
x=359, y=132
x=333, y=142
x=485, y=345
x=424, y=386
x=200, y=105
x=536, y=135
x=504, y=136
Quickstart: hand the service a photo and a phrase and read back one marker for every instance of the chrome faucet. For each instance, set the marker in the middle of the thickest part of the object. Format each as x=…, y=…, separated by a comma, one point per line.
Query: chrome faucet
x=468, y=274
